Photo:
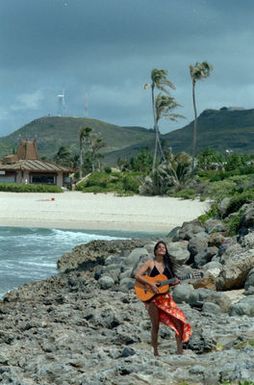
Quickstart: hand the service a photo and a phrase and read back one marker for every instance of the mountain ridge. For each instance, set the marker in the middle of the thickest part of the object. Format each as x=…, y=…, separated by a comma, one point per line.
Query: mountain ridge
x=226, y=128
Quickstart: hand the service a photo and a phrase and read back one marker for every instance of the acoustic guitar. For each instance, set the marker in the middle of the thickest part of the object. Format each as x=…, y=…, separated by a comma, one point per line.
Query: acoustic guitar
x=144, y=291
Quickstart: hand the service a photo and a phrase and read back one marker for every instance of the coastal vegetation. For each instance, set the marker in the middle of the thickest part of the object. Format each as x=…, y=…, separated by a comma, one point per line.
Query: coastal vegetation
x=22, y=187
x=198, y=71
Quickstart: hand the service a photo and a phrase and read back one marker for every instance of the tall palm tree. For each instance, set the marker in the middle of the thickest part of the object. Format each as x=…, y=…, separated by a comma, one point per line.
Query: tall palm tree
x=84, y=135
x=164, y=104
x=162, y=83
x=197, y=72
x=96, y=144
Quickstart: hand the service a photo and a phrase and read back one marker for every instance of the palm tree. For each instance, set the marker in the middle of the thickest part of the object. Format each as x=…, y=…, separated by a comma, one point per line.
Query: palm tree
x=84, y=136
x=162, y=83
x=197, y=72
x=96, y=144
x=63, y=156
x=164, y=104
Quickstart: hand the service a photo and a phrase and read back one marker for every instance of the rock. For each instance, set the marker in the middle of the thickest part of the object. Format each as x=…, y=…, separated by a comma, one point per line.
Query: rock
x=235, y=271
x=247, y=241
x=247, y=218
x=204, y=256
x=223, y=206
x=67, y=330
x=198, y=243
x=249, y=280
x=198, y=296
x=213, y=268
x=106, y=282
x=189, y=229
x=216, y=239
x=179, y=252
x=126, y=284
x=210, y=307
x=182, y=293
x=135, y=256
x=243, y=307
x=112, y=271
x=214, y=226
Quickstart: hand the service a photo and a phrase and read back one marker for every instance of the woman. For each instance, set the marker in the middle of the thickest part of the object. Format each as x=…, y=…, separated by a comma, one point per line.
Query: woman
x=162, y=308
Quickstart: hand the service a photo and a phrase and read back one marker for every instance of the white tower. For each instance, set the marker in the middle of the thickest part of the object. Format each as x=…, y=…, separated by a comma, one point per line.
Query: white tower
x=61, y=104
x=86, y=105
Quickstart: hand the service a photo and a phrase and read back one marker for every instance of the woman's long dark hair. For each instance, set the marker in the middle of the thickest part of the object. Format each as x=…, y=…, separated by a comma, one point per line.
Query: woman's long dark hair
x=167, y=259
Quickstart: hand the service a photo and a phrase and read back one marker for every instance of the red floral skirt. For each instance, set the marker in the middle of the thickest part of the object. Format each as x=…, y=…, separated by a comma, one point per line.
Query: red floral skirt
x=171, y=315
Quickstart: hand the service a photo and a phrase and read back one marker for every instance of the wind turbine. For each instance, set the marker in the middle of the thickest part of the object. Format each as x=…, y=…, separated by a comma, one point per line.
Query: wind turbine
x=61, y=104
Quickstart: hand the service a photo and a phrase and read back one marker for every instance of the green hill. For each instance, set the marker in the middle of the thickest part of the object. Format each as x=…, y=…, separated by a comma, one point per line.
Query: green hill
x=218, y=129
x=53, y=132
x=222, y=129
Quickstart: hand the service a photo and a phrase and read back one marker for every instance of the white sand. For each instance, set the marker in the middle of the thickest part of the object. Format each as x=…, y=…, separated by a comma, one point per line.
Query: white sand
x=76, y=210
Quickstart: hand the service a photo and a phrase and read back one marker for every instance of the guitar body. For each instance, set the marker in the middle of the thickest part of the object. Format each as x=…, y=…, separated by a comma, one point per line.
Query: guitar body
x=145, y=293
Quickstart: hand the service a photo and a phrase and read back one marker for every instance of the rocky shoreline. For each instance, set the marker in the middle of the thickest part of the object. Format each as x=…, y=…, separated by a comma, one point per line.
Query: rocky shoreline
x=86, y=326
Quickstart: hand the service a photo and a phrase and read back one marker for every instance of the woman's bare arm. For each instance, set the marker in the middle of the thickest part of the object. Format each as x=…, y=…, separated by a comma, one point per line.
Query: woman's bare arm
x=146, y=267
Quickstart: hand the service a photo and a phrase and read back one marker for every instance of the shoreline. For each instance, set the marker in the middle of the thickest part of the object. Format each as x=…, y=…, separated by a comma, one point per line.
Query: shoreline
x=87, y=211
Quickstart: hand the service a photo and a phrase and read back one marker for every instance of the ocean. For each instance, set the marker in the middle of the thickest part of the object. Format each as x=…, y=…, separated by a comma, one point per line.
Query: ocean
x=29, y=254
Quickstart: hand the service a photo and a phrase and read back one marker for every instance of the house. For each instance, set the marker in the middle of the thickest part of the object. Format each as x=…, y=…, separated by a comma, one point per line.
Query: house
x=26, y=167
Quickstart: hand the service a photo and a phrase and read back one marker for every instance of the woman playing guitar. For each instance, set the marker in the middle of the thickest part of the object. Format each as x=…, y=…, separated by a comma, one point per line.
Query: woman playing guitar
x=162, y=308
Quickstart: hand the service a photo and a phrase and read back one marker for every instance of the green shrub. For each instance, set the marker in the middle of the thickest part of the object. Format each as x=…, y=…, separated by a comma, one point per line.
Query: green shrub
x=186, y=193
x=238, y=200
x=107, y=170
x=233, y=224
x=213, y=212
x=22, y=187
x=118, y=182
x=130, y=183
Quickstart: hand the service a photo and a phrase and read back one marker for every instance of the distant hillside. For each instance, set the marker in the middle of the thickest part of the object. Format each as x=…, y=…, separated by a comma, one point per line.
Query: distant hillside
x=53, y=132
x=222, y=129
x=218, y=129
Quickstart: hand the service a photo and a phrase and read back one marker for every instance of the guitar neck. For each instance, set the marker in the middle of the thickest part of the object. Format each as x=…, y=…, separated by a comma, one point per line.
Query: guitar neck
x=171, y=280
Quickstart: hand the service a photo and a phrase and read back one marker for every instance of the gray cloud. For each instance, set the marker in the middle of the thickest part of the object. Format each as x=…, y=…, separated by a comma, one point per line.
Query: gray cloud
x=102, y=52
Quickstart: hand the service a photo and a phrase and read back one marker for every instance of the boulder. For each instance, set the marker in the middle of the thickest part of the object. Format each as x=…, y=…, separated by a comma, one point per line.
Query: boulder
x=245, y=306
x=179, y=251
x=182, y=292
x=106, y=282
x=214, y=226
x=198, y=243
x=205, y=256
x=211, y=308
x=223, y=206
x=235, y=271
x=247, y=218
x=134, y=257
x=189, y=229
x=250, y=280
x=216, y=239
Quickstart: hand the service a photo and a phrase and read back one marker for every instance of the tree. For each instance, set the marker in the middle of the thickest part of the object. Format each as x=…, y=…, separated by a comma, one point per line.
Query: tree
x=197, y=72
x=173, y=173
x=95, y=145
x=84, y=138
x=162, y=105
x=63, y=156
x=142, y=162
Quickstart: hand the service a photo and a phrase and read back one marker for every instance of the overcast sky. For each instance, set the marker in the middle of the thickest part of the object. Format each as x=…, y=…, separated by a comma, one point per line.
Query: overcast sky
x=101, y=52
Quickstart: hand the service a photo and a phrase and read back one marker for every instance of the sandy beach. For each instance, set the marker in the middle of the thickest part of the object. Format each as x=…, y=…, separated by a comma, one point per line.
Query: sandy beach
x=76, y=210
